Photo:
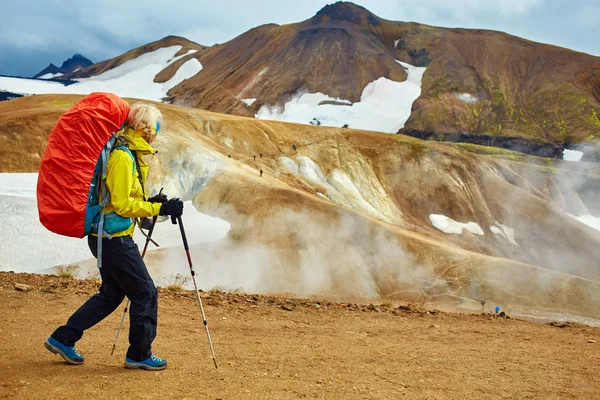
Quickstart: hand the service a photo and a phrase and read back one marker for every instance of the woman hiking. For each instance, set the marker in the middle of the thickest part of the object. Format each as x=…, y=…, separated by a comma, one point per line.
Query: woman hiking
x=123, y=271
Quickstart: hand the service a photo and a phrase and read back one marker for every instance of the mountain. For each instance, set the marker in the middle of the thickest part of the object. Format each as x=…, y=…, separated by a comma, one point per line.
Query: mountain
x=344, y=213
x=148, y=72
x=72, y=64
x=476, y=82
x=348, y=66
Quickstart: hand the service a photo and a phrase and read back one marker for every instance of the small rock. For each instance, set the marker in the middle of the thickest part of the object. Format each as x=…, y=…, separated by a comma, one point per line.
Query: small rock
x=435, y=326
x=591, y=341
x=22, y=287
x=373, y=307
x=288, y=307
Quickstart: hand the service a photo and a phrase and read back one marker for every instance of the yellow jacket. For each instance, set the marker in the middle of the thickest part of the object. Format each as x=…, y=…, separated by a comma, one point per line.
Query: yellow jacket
x=126, y=195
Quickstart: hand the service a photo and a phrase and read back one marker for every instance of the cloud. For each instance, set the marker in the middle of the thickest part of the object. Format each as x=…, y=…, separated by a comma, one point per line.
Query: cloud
x=106, y=29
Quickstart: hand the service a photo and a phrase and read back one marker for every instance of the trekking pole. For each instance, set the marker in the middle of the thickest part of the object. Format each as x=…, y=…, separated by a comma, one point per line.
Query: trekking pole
x=187, y=251
x=127, y=303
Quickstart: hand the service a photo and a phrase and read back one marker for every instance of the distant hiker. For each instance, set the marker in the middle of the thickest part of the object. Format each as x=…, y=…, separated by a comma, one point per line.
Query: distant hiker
x=294, y=146
x=260, y=155
x=261, y=173
x=123, y=271
x=254, y=157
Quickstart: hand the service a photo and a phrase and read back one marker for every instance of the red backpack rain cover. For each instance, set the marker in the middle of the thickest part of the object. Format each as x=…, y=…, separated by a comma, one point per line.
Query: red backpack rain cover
x=70, y=159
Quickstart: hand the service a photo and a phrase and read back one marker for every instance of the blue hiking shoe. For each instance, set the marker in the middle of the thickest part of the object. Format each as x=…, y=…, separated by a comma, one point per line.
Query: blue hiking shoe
x=152, y=363
x=68, y=353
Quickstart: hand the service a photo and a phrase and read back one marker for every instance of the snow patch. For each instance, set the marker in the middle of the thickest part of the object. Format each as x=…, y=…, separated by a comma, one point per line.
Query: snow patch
x=249, y=102
x=50, y=76
x=133, y=78
x=289, y=164
x=385, y=105
x=504, y=231
x=344, y=185
x=341, y=189
x=311, y=171
x=448, y=225
x=589, y=220
x=572, y=155
x=27, y=246
x=322, y=195
x=228, y=142
x=466, y=97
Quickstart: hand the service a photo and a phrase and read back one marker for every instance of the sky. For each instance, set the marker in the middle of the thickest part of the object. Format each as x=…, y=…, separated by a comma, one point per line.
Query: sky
x=35, y=33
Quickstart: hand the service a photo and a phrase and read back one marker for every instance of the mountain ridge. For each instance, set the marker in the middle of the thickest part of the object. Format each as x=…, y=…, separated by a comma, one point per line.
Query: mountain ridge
x=72, y=64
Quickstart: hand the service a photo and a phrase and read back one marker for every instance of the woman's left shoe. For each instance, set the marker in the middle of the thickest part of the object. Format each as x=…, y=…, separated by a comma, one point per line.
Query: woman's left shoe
x=68, y=353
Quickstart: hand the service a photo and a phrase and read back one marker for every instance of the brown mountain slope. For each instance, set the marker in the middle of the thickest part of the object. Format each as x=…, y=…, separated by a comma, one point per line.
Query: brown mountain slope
x=348, y=212
x=274, y=62
x=523, y=89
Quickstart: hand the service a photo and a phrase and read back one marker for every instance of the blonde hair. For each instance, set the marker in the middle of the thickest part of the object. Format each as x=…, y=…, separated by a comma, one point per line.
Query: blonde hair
x=144, y=117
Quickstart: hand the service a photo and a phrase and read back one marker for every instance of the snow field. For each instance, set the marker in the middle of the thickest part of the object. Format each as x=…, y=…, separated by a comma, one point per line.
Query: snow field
x=385, y=105
x=448, y=225
x=133, y=78
x=27, y=246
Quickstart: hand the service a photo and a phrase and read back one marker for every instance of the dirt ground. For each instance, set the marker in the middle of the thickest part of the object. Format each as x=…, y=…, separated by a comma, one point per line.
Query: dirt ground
x=270, y=347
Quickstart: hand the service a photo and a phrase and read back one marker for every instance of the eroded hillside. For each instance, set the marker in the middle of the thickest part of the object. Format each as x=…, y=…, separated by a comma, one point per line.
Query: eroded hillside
x=344, y=213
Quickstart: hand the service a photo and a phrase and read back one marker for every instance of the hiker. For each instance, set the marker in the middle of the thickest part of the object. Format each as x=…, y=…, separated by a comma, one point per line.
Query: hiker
x=294, y=146
x=261, y=173
x=123, y=271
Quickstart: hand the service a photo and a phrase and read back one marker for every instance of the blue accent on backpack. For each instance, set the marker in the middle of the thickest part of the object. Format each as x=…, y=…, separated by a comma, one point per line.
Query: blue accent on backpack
x=95, y=219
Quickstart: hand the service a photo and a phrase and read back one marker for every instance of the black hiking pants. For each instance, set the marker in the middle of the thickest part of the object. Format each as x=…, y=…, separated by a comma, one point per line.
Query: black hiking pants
x=123, y=274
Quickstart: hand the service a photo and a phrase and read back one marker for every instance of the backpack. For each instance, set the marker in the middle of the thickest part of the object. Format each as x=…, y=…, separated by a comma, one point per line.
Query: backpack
x=71, y=192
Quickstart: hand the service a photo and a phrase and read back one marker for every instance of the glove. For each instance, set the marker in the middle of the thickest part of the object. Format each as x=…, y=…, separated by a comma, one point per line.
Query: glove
x=146, y=223
x=159, y=198
x=173, y=207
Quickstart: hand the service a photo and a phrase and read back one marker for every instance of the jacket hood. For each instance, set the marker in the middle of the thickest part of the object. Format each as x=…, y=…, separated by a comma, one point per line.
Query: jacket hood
x=136, y=142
